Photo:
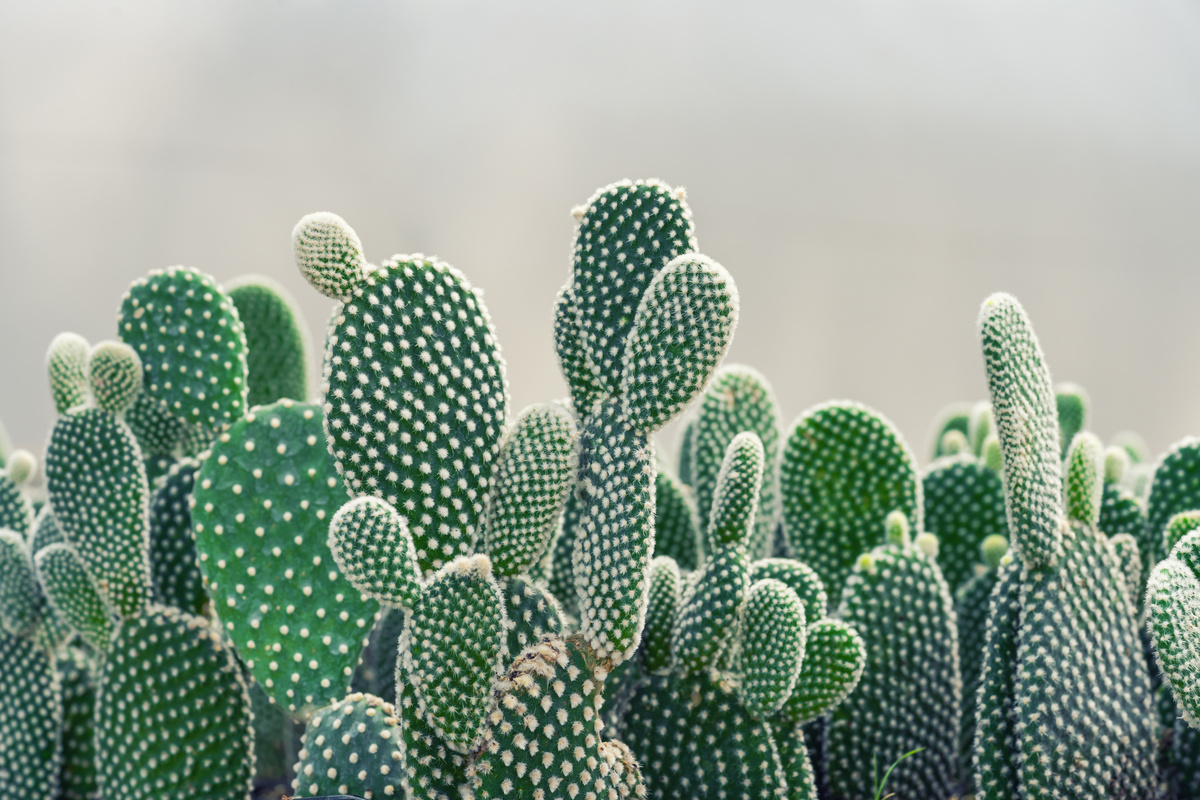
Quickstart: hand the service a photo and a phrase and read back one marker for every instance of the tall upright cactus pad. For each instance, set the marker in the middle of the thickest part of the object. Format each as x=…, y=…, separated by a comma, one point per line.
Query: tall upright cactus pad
x=738, y=399
x=454, y=647
x=1071, y=407
x=276, y=342
x=675, y=530
x=996, y=745
x=844, y=468
x=615, y=534
x=665, y=586
x=354, y=746
x=414, y=387
x=910, y=693
x=1027, y=423
x=31, y=719
x=99, y=494
x=964, y=504
x=1175, y=488
x=187, y=333
x=78, y=775
x=627, y=232
x=172, y=712
x=73, y=595
x=261, y=509
x=531, y=481
x=66, y=366
x=174, y=563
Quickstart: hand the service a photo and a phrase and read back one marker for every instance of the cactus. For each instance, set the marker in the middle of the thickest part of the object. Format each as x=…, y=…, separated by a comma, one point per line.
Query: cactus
x=31, y=719
x=772, y=649
x=73, y=595
x=1071, y=408
x=78, y=774
x=971, y=603
x=20, y=599
x=66, y=365
x=1174, y=488
x=954, y=417
x=174, y=564
x=276, y=342
x=964, y=504
x=354, y=745
x=676, y=533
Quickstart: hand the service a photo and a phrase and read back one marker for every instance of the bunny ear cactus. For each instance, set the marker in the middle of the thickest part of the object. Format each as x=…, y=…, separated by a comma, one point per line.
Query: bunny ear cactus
x=31, y=719
x=414, y=386
x=964, y=504
x=66, y=366
x=1172, y=598
x=954, y=417
x=355, y=745
x=16, y=509
x=676, y=533
x=1071, y=407
x=73, y=595
x=276, y=342
x=971, y=602
x=1174, y=488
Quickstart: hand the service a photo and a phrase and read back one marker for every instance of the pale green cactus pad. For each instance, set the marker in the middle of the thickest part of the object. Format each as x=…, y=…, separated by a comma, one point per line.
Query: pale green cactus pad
x=1071, y=406
x=1173, y=602
x=354, y=746
x=276, y=342
x=66, y=366
x=1083, y=488
x=31, y=720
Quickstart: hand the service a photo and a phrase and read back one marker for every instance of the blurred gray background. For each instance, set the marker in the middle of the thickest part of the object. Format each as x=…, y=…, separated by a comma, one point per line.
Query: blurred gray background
x=868, y=170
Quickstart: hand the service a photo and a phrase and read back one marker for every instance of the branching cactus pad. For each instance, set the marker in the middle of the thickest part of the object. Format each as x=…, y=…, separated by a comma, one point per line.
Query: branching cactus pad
x=354, y=746
x=276, y=342
x=261, y=509
x=31, y=719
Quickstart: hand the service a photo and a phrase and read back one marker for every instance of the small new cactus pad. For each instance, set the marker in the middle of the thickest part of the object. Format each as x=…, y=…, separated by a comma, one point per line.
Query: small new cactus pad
x=174, y=566
x=954, y=417
x=1116, y=464
x=147, y=748
x=1121, y=512
x=276, y=342
x=1071, y=407
x=665, y=586
x=844, y=467
x=1084, y=487
x=964, y=504
x=31, y=719
x=531, y=613
x=681, y=331
x=455, y=646
x=1026, y=421
x=61, y=573
x=910, y=693
x=738, y=399
x=772, y=646
x=543, y=731
x=66, y=365
x=627, y=233
x=432, y=771
x=532, y=478
x=1175, y=488
x=675, y=531
x=78, y=775
x=735, y=497
x=354, y=746
x=570, y=350
x=1173, y=600
x=187, y=333
x=834, y=659
x=954, y=443
x=800, y=578
x=99, y=494
x=372, y=547
x=414, y=388
x=115, y=376
x=979, y=426
x=261, y=508
x=696, y=741
x=20, y=598
x=614, y=538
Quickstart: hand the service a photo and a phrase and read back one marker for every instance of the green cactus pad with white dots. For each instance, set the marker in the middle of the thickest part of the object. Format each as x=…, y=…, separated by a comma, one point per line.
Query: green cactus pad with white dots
x=1071, y=409
x=276, y=342
x=46, y=530
x=1175, y=488
x=800, y=578
x=173, y=712
x=910, y=693
x=995, y=747
x=174, y=565
x=1027, y=423
x=1125, y=548
x=114, y=376
x=100, y=496
x=834, y=659
x=415, y=399
x=570, y=350
x=675, y=531
x=1121, y=512
x=157, y=430
x=772, y=646
x=73, y=595
x=533, y=475
x=354, y=746
x=954, y=417
x=709, y=612
x=432, y=771
x=531, y=613
x=844, y=468
x=738, y=399
x=971, y=602
x=964, y=504
x=16, y=510
x=31, y=719
x=1178, y=526
x=680, y=334
x=1173, y=602
x=455, y=646
x=66, y=366
x=797, y=765
x=78, y=774
x=735, y=497
x=562, y=548
x=1083, y=487
x=328, y=254
x=20, y=598
x=665, y=585
x=262, y=503
x=187, y=333
x=371, y=544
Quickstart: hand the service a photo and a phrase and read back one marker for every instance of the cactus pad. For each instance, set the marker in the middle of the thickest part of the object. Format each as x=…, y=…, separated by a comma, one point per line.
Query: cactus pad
x=1173, y=602
x=1084, y=485
x=20, y=599
x=772, y=646
x=800, y=578
x=276, y=342
x=735, y=498
x=834, y=659
x=371, y=545
x=78, y=741
x=665, y=584
x=675, y=532
x=353, y=746
x=66, y=364
x=432, y=770
x=1175, y=488
x=708, y=613
x=174, y=566
x=115, y=376
x=328, y=254
x=531, y=613
x=1071, y=406
x=73, y=595
x=964, y=504
x=31, y=718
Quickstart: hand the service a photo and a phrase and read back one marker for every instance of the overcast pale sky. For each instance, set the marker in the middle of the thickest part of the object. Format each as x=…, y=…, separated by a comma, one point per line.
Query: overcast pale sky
x=867, y=170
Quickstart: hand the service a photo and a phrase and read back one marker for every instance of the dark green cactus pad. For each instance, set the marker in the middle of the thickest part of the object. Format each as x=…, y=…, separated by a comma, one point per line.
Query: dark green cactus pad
x=964, y=504
x=1027, y=424
x=31, y=720
x=261, y=507
x=738, y=399
x=665, y=586
x=971, y=603
x=46, y=530
x=627, y=233
x=1071, y=407
x=708, y=613
x=354, y=746
x=954, y=417
x=531, y=613
x=1121, y=512
x=276, y=341
x=562, y=572
x=680, y=334
x=187, y=333
x=735, y=499
x=1172, y=599
x=100, y=496
x=174, y=566
x=996, y=743
x=1175, y=488
x=533, y=476
x=415, y=399
x=844, y=468
x=676, y=534
x=1178, y=526
x=695, y=740
x=377, y=673
x=20, y=598
x=432, y=771
x=157, y=430
x=73, y=595
x=1184, y=761
x=16, y=510
x=115, y=375
x=686, y=465
x=272, y=764
x=1125, y=548
x=1083, y=487
x=800, y=578
x=797, y=766
x=78, y=776
x=834, y=659
x=66, y=366
x=543, y=730
x=772, y=646
x=373, y=549
x=159, y=663
x=910, y=694
x=615, y=534
x=455, y=646
x=570, y=350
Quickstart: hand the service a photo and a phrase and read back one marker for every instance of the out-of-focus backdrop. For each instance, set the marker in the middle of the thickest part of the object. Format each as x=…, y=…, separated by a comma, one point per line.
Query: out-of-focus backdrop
x=868, y=170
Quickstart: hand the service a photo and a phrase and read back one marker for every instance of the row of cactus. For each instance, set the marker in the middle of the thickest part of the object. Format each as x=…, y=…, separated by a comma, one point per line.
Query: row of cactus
x=216, y=586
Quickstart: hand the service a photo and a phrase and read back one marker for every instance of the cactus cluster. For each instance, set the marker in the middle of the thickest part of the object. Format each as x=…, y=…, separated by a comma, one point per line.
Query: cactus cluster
x=218, y=585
